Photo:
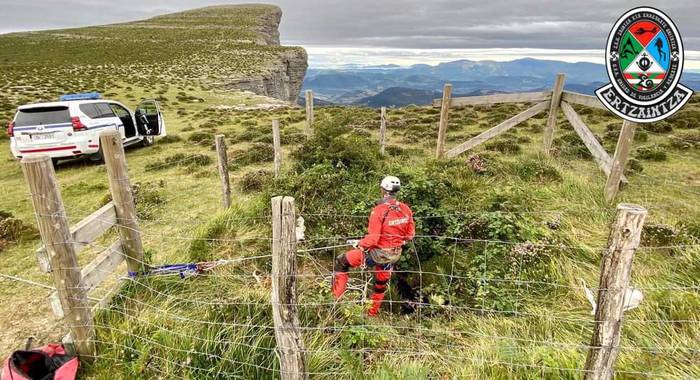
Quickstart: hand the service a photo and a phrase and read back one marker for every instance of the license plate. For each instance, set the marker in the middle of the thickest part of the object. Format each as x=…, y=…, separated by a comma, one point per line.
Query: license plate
x=43, y=136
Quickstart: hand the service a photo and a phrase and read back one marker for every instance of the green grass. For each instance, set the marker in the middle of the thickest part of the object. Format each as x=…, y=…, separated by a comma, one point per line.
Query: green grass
x=218, y=325
x=141, y=334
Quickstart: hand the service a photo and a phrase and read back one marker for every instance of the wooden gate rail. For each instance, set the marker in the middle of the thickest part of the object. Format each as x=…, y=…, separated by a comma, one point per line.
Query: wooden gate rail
x=84, y=233
x=555, y=99
x=61, y=243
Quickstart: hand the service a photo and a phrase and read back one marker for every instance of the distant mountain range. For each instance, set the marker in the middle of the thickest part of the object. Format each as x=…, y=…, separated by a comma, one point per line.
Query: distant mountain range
x=391, y=85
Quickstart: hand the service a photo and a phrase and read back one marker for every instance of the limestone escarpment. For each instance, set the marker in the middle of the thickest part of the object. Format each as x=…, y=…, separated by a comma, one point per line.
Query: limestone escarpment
x=281, y=77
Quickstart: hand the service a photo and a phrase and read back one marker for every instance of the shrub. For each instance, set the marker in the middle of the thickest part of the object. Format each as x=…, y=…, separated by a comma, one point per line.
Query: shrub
x=256, y=180
x=254, y=154
x=659, y=235
x=13, y=230
x=191, y=161
x=652, y=153
x=534, y=169
x=569, y=144
x=148, y=196
x=685, y=140
x=292, y=137
x=201, y=137
x=686, y=119
x=658, y=127
x=504, y=145
x=332, y=143
x=168, y=139
x=236, y=232
x=633, y=166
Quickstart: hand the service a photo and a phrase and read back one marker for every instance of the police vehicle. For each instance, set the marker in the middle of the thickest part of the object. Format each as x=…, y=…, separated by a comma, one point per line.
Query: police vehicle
x=71, y=127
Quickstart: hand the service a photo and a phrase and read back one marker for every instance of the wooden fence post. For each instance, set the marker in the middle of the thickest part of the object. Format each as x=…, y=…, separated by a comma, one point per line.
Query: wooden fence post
x=123, y=199
x=55, y=233
x=615, y=273
x=309, y=112
x=276, y=145
x=290, y=346
x=619, y=161
x=382, y=130
x=444, y=114
x=553, y=111
x=222, y=165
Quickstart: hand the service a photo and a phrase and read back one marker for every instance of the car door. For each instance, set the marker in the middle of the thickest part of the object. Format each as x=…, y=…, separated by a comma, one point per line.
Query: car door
x=149, y=119
x=126, y=121
x=99, y=116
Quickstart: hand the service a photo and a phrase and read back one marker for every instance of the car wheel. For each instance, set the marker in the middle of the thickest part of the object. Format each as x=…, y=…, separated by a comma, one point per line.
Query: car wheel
x=97, y=157
x=148, y=140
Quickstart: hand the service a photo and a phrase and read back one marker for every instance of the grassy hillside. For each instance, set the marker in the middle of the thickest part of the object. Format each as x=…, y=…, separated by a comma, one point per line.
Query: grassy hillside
x=547, y=213
x=204, y=48
x=491, y=287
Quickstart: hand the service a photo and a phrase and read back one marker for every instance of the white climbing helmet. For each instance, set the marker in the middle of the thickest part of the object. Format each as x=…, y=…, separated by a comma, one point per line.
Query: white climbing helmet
x=391, y=184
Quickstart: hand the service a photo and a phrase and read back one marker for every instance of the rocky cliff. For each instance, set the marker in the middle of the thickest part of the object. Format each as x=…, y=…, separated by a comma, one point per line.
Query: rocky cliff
x=230, y=47
x=283, y=77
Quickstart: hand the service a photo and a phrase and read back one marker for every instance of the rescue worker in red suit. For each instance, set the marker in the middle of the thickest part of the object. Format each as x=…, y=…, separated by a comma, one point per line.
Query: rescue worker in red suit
x=391, y=226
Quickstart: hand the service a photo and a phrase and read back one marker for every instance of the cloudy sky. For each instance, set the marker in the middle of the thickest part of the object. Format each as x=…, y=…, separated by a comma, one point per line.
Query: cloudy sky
x=408, y=30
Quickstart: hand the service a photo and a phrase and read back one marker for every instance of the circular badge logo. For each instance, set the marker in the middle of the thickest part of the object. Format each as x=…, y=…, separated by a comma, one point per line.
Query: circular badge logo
x=644, y=60
x=645, y=55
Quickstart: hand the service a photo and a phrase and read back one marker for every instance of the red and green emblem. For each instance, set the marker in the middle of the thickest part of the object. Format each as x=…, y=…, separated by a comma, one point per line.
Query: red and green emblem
x=644, y=60
x=644, y=55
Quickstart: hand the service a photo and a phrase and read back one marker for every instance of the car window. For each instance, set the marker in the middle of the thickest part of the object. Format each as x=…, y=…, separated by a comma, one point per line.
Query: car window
x=119, y=110
x=104, y=110
x=97, y=110
x=42, y=116
x=89, y=110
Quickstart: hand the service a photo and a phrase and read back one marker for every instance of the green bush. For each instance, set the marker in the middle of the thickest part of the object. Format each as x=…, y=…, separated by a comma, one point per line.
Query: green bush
x=256, y=153
x=685, y=140
x=536, y=169
x=148, y=197
x=658, y=127
x=237, y=232
x=686, y=119
x=191, y=161
x=506, y=144
x=13, y=230
x=201, y=138
x=652, y=153
x=256, y=180
x=634, y=166
x=570, y=145
x=168, y=139
x=332, y=143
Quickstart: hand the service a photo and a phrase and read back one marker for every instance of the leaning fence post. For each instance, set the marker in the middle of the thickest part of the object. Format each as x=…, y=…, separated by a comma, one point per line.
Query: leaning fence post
x=290, y=346
x=276, y=146
x=553, y=111
x=444, y=114
x=309, y=112
x=123, y=198
x=58, y=240
x=222, y=166
x=619, y=161
x=615, y=271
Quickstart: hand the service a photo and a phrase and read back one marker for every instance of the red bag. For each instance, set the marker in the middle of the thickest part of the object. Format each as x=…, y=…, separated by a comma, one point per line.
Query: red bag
x=46, y=363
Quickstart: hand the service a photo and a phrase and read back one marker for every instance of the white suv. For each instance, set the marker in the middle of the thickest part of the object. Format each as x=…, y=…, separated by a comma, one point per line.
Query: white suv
x=71, y=127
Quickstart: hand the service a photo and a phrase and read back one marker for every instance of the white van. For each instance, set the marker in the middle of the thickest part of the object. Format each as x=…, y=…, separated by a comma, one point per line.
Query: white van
x=71, y=127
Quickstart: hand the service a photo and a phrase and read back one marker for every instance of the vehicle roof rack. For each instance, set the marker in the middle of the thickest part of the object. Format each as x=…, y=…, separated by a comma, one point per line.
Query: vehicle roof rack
x=81, y=96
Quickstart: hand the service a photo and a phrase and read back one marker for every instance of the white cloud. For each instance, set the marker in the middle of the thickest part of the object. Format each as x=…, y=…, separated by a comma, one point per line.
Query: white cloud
x=321, y=56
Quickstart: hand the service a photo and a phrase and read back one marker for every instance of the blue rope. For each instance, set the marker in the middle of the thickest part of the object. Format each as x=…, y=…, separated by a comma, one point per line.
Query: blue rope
x=181, y=269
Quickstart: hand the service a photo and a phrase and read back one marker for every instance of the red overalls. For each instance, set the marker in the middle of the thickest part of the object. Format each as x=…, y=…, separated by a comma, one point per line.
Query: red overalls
x=391, y=225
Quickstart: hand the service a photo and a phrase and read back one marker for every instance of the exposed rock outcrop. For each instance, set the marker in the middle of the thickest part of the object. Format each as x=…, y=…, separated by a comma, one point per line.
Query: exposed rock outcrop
x=281, y=79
